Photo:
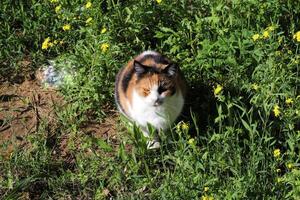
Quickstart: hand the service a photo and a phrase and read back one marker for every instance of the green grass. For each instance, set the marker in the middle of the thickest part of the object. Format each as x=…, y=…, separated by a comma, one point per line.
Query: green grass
x=225, y=142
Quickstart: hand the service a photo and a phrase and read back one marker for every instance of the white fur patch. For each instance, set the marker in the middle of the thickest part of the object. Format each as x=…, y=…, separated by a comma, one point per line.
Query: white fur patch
x=143, y=111
x=149, y=52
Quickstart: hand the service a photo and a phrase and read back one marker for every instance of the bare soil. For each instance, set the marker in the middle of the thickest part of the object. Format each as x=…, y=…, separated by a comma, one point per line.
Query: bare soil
x=24, y=106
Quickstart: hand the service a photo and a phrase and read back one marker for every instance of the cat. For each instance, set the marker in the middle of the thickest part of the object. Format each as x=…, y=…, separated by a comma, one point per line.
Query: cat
x=150, y=89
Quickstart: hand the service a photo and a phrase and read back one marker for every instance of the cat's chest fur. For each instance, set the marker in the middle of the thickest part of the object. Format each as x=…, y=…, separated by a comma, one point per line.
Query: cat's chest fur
x=143, y=112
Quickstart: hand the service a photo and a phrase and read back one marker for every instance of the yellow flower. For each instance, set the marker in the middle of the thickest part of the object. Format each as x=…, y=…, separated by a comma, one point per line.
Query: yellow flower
x=61, y=42
x=290, y=166
x=266, y=34
x=182, y=126
x=66, y=27
x=57, y=8
x=289, y=101
x=53, y=1
x=55, y=42
x=103, y=30
x=278, y=170
x=278, y=179
x=276, y=153
x=270, y=28
x=89, y=20
x=88, y=5
x=255, y=37
x=104, y=47
x=254, y=86
x=185, y=126
x=191, y=141
x=276, y=110
x=218, y=89
x=205, y=197
x=158, y=1
x=296, y=36
x=46, y=44
x=206, y=189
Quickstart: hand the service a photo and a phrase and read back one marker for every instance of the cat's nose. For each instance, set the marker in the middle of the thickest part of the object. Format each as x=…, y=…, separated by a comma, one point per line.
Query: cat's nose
x=158, y=102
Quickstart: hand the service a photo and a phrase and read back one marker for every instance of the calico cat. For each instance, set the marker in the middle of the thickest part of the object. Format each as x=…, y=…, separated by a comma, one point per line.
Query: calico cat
x=150, y=89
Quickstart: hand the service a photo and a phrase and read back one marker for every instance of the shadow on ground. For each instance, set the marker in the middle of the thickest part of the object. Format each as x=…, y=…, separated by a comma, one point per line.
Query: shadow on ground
x=201, y=103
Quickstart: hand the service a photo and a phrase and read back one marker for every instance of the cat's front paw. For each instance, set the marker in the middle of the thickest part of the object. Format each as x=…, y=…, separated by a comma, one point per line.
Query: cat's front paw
x=153, y=144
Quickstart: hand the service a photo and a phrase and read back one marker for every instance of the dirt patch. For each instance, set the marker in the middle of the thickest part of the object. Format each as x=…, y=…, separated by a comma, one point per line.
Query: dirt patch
x=24, y=106
x=106, y=129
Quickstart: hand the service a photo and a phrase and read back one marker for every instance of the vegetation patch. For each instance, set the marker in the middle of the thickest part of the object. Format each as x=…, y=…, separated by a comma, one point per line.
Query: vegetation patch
x=238, y=137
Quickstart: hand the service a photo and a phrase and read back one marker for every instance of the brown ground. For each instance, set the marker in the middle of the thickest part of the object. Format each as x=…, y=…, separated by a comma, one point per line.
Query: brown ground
x=24, y=106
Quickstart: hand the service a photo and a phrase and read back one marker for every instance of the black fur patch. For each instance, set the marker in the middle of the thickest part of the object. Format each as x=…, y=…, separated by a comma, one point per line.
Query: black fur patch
x=173, y=90
x=159, y=59
x=117, y=96
x=126, y=79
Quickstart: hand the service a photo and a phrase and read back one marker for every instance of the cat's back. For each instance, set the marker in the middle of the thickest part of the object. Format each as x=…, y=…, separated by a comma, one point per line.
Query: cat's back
x=123, y=79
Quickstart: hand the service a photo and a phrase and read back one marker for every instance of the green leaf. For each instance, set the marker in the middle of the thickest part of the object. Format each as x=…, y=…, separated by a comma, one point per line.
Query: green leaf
x=103, y=145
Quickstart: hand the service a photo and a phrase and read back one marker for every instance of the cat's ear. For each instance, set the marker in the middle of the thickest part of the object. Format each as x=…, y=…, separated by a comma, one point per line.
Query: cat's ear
x=171, y=70
x=139, y=68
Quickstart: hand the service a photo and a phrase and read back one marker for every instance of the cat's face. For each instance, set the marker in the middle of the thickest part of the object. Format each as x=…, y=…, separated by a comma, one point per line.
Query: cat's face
x=155, y=83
